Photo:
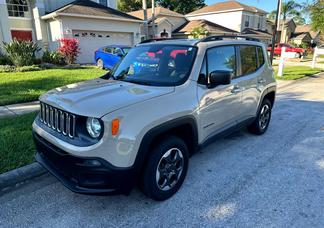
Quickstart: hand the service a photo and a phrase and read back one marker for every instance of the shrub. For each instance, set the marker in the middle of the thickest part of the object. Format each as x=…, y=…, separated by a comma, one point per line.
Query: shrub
x=4, y=60
x=8, y=68
x=54, y=57
x=20, y=52
x=69, y=49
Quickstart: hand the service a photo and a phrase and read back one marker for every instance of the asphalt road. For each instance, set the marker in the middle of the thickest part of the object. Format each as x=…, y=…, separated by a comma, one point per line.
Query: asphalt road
x=274, y=180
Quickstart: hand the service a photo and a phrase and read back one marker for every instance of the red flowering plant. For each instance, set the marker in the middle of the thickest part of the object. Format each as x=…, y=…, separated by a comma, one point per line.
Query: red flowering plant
x=69, y=49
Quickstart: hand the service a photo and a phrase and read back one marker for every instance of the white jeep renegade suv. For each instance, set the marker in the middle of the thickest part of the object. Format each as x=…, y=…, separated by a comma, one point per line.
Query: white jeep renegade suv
x=160, y=104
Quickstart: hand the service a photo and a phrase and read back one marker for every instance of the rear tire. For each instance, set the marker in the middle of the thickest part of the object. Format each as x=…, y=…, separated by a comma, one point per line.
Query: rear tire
x=261, y=122
x=165, y=169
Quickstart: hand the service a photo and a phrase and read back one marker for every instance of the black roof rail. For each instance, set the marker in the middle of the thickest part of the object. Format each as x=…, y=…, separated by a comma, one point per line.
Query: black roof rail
x=157, y=40
x=222, y=37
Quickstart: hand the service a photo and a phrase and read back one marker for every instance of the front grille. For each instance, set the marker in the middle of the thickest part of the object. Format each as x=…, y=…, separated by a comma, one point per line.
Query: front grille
x=58, y=120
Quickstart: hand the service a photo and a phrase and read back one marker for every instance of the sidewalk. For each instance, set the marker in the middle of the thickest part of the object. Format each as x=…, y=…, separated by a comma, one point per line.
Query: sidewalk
x=18, y=109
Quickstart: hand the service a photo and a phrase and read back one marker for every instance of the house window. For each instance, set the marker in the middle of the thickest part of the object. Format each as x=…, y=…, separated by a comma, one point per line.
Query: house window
x=103, y=2
x=259, y=22
x=247, y=21
x=17, y=8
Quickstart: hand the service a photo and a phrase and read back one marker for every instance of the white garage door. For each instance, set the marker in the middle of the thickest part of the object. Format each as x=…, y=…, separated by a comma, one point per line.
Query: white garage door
x=90, y=41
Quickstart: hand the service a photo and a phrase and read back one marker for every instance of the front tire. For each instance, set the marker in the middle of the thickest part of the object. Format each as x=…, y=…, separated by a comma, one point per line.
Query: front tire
x=166, y=168
x=261, y=122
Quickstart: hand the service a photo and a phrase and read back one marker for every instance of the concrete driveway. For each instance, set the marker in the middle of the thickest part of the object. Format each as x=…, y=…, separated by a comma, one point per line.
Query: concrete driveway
x=274, y=180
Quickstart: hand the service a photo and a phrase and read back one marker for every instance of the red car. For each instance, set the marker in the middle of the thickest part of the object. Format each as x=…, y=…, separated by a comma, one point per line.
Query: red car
x=277, y=50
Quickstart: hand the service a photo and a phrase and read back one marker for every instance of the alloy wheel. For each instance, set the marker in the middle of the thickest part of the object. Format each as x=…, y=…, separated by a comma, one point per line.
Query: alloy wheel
x=264, y=116
x=169, y=169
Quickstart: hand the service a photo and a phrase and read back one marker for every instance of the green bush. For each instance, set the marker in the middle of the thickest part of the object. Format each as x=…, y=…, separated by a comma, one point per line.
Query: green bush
x=4, y=60
x=8, y=68
x=53, y=57
x=20, y=52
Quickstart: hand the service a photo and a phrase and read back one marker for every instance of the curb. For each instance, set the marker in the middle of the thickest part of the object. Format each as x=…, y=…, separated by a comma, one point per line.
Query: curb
x=22, y=174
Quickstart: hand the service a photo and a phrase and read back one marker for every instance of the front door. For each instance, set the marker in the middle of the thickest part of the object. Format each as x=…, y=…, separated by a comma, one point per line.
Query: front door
x=219, y=107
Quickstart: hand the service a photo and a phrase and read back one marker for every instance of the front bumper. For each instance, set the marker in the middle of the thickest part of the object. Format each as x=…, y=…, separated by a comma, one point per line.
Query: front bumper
x=83, y=175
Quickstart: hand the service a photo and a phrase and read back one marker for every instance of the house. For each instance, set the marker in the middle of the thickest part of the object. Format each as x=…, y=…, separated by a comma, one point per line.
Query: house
x=308, y=34
x=166, y=21
x=94, y=23
x=210, y=28
x=232, y=15
x=297, y=34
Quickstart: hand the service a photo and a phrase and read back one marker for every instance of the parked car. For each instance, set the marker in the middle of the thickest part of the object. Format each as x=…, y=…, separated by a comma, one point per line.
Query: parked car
x=107, y=57
x=141, y=122
x=299, y=52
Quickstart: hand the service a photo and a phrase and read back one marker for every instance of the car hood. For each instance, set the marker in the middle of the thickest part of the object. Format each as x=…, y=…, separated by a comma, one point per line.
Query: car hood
x=99, y=97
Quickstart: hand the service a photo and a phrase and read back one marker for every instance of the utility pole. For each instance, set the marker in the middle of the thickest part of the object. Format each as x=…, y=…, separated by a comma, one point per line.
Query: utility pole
x=153, y=18
x=144, y=5
x=274, y=35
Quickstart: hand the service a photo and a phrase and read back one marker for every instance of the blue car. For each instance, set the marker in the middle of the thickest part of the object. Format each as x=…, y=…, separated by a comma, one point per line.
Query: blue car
x=106, y=57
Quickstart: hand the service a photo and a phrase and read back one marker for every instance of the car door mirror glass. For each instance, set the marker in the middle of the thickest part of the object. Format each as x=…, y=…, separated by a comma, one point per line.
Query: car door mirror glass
x=219, y=77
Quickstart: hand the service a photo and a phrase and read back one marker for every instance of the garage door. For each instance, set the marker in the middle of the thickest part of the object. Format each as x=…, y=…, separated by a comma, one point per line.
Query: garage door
x=90, y=41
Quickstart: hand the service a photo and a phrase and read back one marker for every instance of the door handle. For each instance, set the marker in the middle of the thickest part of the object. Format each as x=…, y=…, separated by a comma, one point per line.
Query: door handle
x=236, y=90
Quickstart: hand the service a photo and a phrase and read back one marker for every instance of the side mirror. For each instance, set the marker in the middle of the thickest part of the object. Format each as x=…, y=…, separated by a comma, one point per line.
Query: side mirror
x=219, y=77
x=120, y=55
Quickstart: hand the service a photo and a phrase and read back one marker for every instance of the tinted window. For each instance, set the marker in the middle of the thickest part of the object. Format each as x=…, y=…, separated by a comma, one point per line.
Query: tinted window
x=260, y=56
x=108, y=49
x=222, y=58
x=248, y=59
x=203, y=73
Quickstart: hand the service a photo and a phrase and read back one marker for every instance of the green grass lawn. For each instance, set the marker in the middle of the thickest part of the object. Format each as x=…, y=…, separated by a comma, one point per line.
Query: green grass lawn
x=16, y=143
x=18, y=87
x=297, y=72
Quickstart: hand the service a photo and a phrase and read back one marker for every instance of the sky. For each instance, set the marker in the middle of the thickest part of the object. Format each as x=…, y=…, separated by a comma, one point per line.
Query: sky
x=267, y=5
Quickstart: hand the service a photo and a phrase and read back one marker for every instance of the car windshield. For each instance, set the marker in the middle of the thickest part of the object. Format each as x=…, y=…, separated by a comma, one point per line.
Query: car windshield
x=156, y=64
x=126, y=50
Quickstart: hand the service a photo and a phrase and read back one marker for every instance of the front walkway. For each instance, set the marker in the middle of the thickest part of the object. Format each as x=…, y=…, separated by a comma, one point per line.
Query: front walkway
x=18, y=109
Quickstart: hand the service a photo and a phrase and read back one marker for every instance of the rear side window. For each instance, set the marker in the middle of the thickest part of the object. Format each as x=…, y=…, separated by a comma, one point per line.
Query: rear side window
x=260, y=56
x=221, y=58
x=108, y=50
x=248, y=59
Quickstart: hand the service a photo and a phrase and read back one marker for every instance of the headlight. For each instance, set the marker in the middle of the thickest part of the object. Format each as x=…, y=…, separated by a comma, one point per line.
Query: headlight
x=93, y=127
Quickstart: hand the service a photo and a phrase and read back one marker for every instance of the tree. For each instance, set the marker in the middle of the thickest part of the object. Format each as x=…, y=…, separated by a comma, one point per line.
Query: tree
x=182, y=6
x=198, y=33
x=317, y=15
x=131, y=5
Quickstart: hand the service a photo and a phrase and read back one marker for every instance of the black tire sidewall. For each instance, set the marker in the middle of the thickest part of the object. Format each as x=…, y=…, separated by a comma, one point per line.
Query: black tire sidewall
x=149, y=185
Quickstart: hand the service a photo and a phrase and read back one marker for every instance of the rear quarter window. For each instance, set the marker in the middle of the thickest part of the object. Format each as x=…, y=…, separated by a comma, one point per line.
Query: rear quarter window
x=260, y=56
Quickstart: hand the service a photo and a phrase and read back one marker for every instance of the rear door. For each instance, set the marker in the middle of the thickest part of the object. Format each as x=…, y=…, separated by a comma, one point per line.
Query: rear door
x=251, y=72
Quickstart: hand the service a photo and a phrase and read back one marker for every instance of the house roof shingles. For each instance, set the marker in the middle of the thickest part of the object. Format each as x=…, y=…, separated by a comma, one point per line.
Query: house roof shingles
x=87, y=7
x=256, y=32
x=306, y=28
x=209, y=26
x=224, y=6
x=158, y=11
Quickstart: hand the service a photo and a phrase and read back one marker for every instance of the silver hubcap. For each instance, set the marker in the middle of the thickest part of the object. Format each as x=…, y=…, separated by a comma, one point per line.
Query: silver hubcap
x=169, y=169
x=264, y=116
x=100, y=63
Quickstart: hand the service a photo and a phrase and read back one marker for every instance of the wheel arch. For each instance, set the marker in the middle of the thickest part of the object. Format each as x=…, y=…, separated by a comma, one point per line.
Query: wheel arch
x=183, y=127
